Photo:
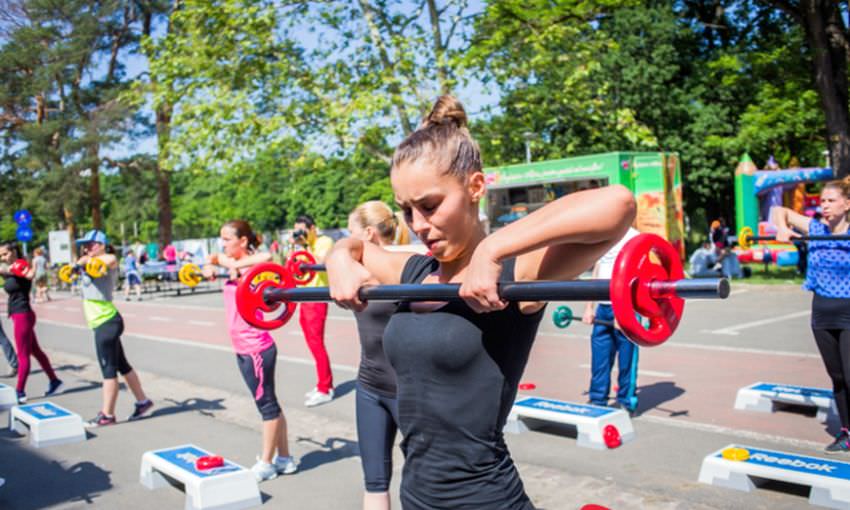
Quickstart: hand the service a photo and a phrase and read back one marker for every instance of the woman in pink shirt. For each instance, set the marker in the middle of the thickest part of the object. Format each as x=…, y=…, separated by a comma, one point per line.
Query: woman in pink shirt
x=256, y=352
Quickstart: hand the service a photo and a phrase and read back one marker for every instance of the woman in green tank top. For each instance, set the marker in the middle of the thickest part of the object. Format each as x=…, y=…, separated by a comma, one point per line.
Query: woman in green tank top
x=103, y=317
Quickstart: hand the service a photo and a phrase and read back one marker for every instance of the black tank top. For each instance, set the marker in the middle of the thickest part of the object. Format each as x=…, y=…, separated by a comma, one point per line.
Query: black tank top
x=18, y=289
x=457, y=374
x=375, y=372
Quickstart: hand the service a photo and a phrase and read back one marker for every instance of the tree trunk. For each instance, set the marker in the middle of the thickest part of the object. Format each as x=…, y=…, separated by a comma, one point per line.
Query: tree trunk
x=72, y=230
x=395, y=92
x=439, y=49
x=94, y=188
x=823, y=22
x=163, y=174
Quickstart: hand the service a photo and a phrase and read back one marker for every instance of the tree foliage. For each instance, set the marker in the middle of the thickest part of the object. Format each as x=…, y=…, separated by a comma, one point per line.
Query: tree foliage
x=267, y=109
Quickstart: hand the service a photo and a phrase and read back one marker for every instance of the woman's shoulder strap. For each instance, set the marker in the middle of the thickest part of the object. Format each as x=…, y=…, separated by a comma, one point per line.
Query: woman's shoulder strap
x=417, y=268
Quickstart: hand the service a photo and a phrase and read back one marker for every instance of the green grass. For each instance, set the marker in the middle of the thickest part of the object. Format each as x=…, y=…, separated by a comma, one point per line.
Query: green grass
x=773, y=275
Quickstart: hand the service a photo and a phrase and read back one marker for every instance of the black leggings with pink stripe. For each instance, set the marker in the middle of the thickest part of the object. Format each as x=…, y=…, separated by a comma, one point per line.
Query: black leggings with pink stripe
x=27, y=344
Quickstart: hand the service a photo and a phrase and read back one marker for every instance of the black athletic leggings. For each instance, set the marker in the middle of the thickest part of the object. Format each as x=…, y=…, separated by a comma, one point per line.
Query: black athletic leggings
x=834, y=346
x=110, y=353
x=377, y=423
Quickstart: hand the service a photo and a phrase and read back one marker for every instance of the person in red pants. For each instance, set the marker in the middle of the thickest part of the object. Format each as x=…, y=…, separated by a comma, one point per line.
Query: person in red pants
x=18, y=277
x=313, y=315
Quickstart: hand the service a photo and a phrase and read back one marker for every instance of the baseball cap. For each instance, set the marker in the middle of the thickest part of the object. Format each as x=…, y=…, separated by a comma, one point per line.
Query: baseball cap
x=93, y=236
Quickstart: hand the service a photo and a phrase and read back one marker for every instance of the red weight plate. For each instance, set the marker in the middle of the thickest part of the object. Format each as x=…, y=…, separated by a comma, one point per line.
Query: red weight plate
x=631, y=286
x=293, y=265
x=527, y=386
x=249, y=296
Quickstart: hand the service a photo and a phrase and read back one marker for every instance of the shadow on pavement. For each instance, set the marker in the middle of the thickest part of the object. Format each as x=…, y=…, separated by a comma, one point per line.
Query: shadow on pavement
x=91, y=385
x=332, y=450
x=202, y=405
x=345, y=388
x=35, y=482
x=653, y=395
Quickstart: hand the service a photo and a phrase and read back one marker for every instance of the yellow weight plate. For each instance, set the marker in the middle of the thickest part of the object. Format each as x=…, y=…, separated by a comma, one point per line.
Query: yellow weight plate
x=190, y=275
x=744, y=238
x=265, y=276
x=96, y=268
x=66, y=273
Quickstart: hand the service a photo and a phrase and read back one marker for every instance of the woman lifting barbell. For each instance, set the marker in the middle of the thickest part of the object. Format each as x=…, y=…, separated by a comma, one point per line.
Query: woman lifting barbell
x=104, y=319
x=828, y=277
x=17, y=283
x=256, y=353
x=458, y=367
x=376, y=404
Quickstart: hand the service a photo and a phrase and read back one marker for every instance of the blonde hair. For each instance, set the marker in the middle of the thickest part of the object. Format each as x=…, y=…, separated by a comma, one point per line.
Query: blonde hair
x=444, y=138
x=842, y=185
x=391, y=227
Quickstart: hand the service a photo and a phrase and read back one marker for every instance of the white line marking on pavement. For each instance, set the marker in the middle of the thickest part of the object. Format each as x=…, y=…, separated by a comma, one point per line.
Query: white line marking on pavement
x=160, y=303
x=649, y=373
x=570, y=335
x=157, y=318
x=733, y=330
x=194, y=344
x=48, y=307
x=737, y=433
x=202, y=323
x=747, y=350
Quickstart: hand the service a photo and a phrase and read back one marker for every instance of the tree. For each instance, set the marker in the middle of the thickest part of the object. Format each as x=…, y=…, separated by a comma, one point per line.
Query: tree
x=381, y=64
x=829, y=41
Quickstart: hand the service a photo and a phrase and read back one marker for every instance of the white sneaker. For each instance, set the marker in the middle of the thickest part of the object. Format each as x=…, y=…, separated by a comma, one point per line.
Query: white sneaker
x=264, y=471
x=285, y=465
x=319, y=398
x=311, y=392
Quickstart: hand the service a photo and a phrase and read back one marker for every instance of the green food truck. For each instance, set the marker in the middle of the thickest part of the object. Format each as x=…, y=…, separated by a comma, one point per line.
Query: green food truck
x=654, y=178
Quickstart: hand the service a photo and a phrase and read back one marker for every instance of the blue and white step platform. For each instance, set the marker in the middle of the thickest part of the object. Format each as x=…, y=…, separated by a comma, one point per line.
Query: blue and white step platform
x=593, y=423
x=763, y=396
x=743, y=467
x=47, y=423
x=228, y=487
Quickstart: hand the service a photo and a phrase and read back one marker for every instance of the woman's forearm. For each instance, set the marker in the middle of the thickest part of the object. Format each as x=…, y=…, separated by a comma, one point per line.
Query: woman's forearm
x=348, y=248
x=779, y=216
x=250, y=260
x=592, y=217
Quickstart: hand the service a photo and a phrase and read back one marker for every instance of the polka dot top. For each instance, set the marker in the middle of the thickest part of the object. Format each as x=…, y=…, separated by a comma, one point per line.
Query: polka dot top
x=828, y=273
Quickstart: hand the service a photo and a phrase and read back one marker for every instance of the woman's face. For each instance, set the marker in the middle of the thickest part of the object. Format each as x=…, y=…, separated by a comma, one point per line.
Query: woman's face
x=440, y=208
x=94, y=249
x=834, y=204
x=234, y=247
x=6, y=255
x=366, y=235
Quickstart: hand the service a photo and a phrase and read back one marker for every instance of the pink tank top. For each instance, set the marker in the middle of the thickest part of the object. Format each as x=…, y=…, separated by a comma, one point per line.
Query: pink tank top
x=246, y=338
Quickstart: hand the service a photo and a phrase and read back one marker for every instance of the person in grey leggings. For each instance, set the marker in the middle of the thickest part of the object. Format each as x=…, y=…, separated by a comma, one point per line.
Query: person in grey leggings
x=8, y=353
